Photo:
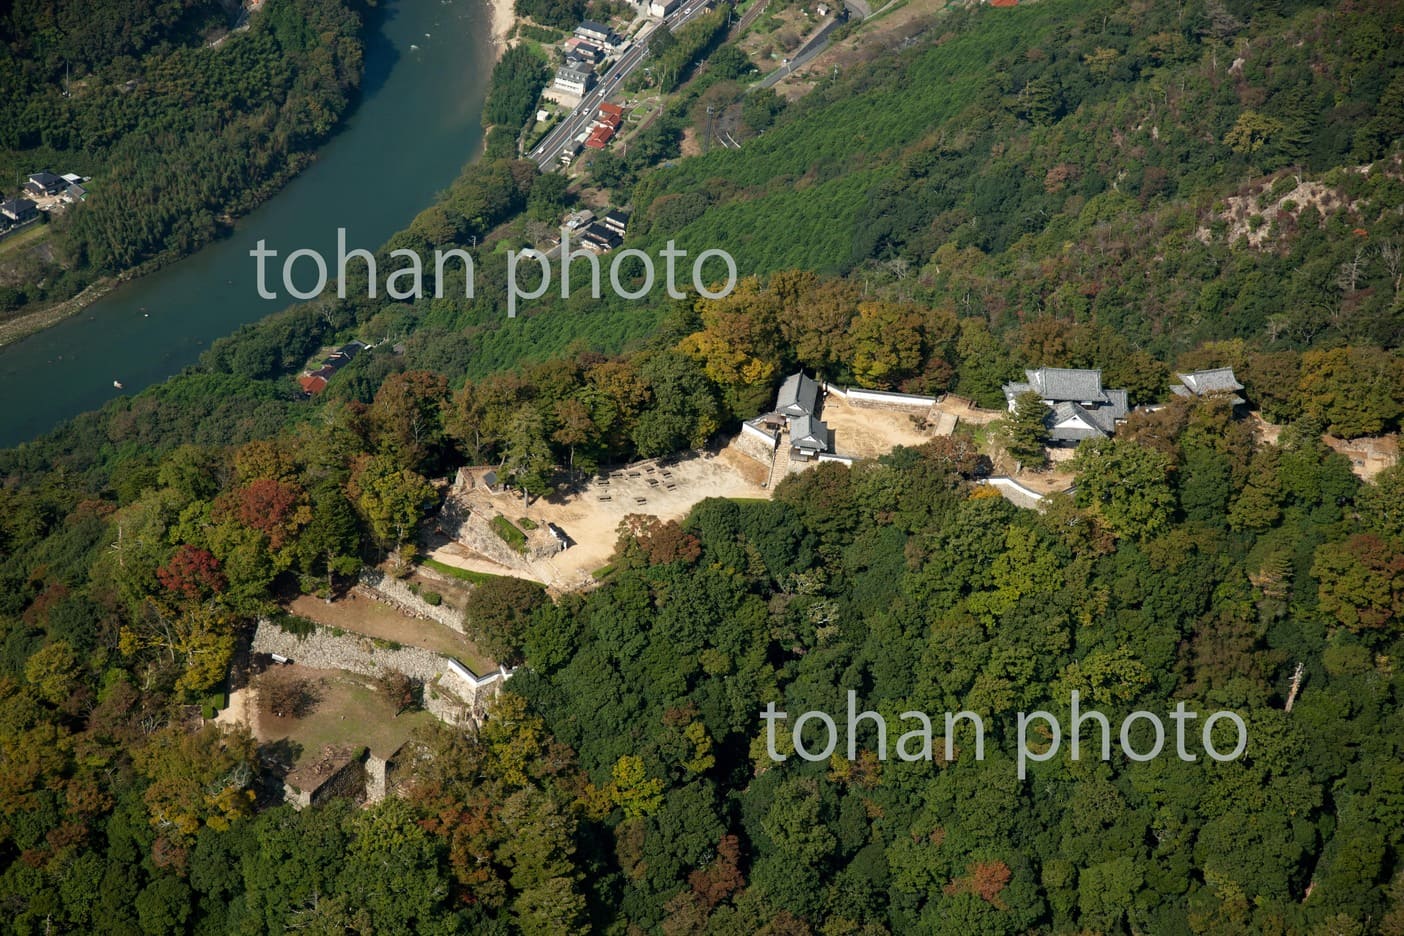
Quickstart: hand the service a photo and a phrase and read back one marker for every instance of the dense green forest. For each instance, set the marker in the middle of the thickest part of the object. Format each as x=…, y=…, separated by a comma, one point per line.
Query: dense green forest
x=625, y=778
x=178, y=137
x=562, y=14
x=1138, y=188
x=517, y=80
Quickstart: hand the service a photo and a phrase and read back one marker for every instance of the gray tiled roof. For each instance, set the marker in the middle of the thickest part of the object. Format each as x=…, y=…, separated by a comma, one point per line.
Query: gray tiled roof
x=1118, y=404
x=806, y=432
x=18, y=205
x=1097, y=422
x=799, y=396
x=1217, y=380
x=1067, y=383
x=1012, y=390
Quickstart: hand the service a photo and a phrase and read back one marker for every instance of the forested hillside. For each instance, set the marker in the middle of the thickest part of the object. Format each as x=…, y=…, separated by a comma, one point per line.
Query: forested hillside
x=633, y=783
x=1143, y=189
x=177, y=136
x=1042, y=160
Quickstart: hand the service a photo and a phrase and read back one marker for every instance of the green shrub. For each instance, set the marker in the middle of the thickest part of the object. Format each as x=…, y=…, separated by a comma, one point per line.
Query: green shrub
x=299, y=627
x=539, y=33
x=432, y=598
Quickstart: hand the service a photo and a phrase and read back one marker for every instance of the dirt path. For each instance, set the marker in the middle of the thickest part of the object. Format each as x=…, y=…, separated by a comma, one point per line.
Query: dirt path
x=242, y=709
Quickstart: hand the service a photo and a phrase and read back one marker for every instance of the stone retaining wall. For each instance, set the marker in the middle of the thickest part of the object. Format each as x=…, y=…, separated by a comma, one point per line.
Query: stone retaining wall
x=473, y=529
x=398, y=595
x=452, y=692
x=376, y=770
x=323, y=649
x=756, y=443
x=348, y=781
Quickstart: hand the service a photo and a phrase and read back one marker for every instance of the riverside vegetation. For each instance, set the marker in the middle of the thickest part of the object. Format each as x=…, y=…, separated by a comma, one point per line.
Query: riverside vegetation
x=1054, y=185
x=178, y=137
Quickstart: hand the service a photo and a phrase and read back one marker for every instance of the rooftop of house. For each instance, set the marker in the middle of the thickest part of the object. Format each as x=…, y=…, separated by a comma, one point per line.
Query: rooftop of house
x=599, y=136
x=1072, y=422
x=1081, y=385
x=798, y=396
x=18, y=206
x=602, y=235
x=1215, y=380
x=44, y=178
x=312, y=383
x=806, y=432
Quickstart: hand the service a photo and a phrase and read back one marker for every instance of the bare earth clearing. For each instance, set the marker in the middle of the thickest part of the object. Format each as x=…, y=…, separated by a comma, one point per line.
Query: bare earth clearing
x=591, y=519
x=866, y=432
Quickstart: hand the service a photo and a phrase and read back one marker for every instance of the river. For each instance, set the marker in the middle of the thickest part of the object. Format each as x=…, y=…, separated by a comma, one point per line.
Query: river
x=426, y=71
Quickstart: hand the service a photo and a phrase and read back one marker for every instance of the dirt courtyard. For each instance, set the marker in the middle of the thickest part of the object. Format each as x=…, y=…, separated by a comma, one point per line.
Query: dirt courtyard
x=666, y=489
x=868, y=432
x=669, y=488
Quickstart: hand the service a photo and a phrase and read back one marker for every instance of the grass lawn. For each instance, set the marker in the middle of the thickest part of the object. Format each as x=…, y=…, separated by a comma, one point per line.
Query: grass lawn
x=349, y=712
x=24, y=239
x=509, y=533
x=466, y=575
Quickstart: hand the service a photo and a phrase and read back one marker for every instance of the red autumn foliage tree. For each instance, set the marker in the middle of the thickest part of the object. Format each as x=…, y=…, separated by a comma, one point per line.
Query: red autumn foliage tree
x=272, y=507
x=722, y=878
x=192, y=573
x=661, y=543
x=984, y=879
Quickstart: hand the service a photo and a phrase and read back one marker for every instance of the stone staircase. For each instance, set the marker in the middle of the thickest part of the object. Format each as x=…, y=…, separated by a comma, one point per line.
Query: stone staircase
x=779, y=464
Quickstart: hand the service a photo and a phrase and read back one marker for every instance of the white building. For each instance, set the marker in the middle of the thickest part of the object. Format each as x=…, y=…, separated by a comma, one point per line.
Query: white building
x=574, y=80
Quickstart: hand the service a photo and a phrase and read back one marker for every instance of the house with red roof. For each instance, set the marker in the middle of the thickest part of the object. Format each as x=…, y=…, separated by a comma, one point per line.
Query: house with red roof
x=312, y=384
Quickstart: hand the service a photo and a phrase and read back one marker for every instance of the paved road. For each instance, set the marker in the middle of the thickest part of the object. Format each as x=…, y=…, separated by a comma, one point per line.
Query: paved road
x=813, y=47
x=548, y=150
